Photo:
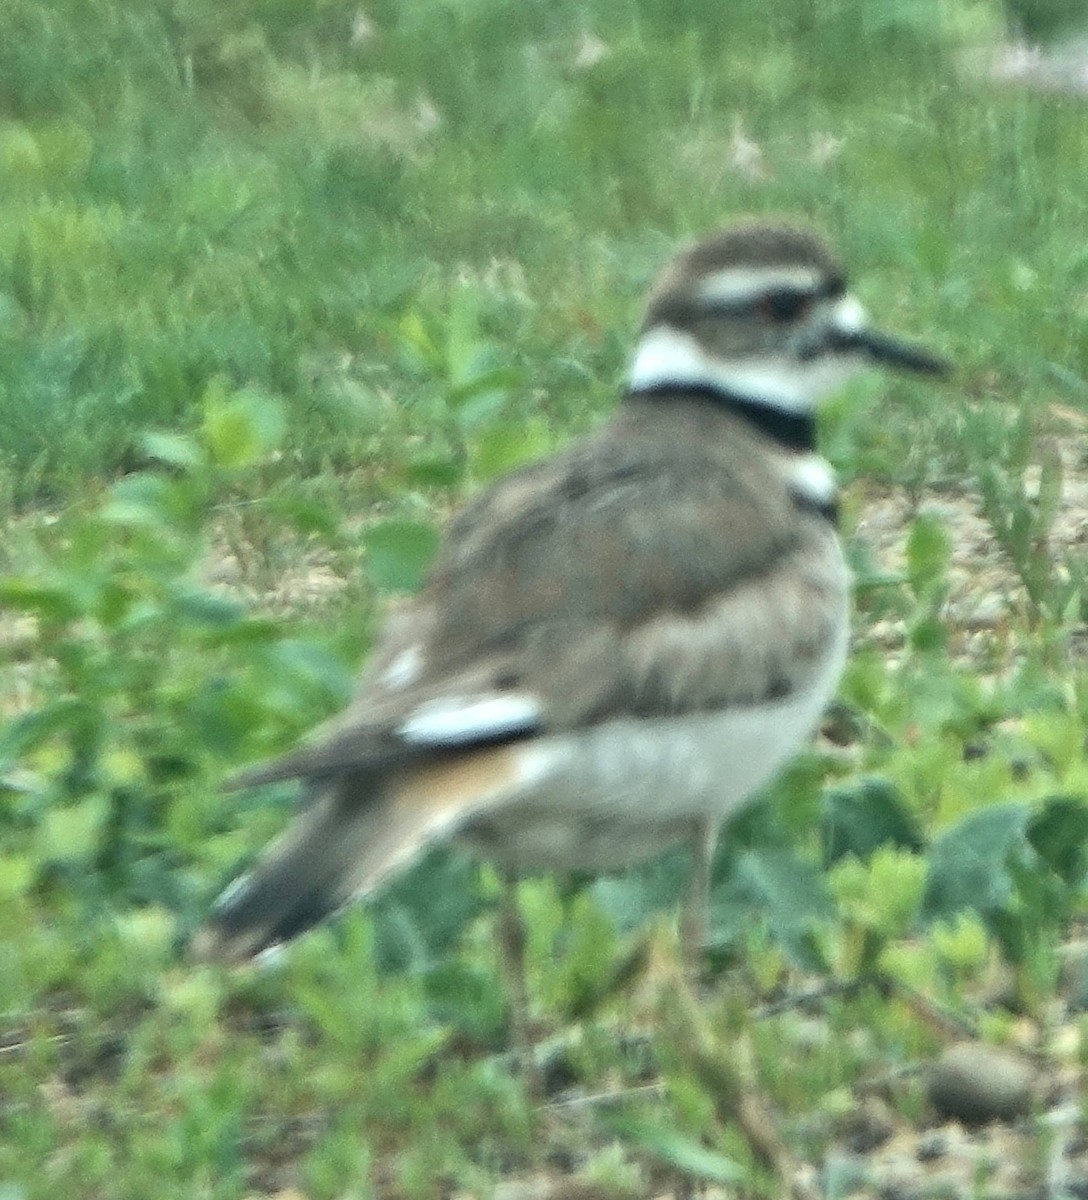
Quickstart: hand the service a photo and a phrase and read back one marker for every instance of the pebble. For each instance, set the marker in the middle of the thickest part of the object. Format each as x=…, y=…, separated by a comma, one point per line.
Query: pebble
x=976, y=1083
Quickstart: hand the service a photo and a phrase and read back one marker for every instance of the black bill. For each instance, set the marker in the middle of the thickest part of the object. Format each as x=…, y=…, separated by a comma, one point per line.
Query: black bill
x=889, y=351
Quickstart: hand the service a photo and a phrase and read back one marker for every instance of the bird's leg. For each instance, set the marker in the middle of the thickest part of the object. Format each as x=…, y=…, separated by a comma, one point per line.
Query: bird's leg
x=696, y=918
x=512, y=952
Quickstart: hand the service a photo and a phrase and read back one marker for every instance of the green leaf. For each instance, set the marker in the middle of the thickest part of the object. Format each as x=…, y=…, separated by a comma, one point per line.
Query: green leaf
x=414, y=933
x=74, y=831
x=969, y=863
x=244, y=631
x=929, y=551
x=675, y=1148
x=479, y=399
x=495, y=380
x=432, y=470
x=928, y=635
x=463, y=994
x=502, y=447
x=462, y=335
x=17, y=873
x=173, y=449
x=53, y=602
x=1049, y=498
x=32, y=729
x=633, y=897
x=864, y=815
x=416, y=338
x=207, y=608
x=307, y=516
x=20, y=156
x=242, y=428
x=398, y=554
x=790, y=893
x=153, y=501
x=1059, y=835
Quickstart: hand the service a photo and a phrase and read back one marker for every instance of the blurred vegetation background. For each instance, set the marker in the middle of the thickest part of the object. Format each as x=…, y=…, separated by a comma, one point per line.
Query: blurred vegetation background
x=280, y=281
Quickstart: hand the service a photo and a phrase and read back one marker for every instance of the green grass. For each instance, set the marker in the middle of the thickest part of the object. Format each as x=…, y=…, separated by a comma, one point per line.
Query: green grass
x=279, y=283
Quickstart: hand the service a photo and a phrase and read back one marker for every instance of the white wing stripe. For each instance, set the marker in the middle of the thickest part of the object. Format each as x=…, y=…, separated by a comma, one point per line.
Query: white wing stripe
x=456, y=720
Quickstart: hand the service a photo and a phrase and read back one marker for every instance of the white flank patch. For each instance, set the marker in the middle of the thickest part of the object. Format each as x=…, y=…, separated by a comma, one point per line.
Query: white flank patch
x=848, y=315
x=665, y=355
x=812, y=477
x=739, y=285
x=406, y=668
x=458, y=719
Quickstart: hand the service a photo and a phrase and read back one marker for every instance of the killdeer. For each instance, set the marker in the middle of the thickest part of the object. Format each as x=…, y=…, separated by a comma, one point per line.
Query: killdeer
x=618, y=645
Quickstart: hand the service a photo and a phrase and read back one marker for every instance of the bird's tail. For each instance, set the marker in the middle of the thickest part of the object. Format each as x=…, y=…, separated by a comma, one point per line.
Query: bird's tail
x=356, y=831
x=311, y=872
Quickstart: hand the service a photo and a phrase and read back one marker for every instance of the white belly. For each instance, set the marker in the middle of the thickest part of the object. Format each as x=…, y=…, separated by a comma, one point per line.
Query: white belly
x=601, y=798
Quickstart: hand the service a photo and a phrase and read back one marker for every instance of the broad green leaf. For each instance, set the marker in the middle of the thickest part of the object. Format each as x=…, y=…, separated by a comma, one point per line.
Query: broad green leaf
x=304, y=668
x=307, y=516
x=242, y=428
x=632, y=897
x=487, y=382
x=969, y=863
x=479, y=399
x=864, y=815
x=431, y=470
x=788, y=891
x=416, y=338
x=928, y=634
x=1059, y=835
x=65, y=148
x=464, y=347
x=242, y=631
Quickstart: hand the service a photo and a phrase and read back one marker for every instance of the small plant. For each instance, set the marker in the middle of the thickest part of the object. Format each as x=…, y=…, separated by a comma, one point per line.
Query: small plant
x=146, y=677
x=1022, y=516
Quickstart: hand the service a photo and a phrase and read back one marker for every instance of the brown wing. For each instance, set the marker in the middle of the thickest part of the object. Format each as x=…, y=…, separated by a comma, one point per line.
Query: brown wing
x=627, y=576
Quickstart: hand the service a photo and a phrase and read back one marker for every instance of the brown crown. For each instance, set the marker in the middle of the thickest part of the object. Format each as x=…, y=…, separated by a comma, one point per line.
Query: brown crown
x=750, y=244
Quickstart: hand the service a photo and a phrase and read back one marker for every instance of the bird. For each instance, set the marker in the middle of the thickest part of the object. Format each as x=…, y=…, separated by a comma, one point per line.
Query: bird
x=617, y=645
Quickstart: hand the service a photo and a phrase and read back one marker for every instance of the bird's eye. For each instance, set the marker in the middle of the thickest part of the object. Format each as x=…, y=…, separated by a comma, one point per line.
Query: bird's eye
x=785, y=306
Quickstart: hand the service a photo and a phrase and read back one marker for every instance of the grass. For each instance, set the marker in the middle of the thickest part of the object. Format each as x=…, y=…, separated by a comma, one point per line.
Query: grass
x=279, y=283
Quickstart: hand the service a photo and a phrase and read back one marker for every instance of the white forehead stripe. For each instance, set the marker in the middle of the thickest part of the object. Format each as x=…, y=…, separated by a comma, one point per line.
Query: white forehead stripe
x=734, y=285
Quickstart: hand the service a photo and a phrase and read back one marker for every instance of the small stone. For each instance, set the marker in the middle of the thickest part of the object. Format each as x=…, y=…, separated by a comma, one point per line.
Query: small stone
x=932, y=1146
x=976, y=1083
x=867, y=1127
